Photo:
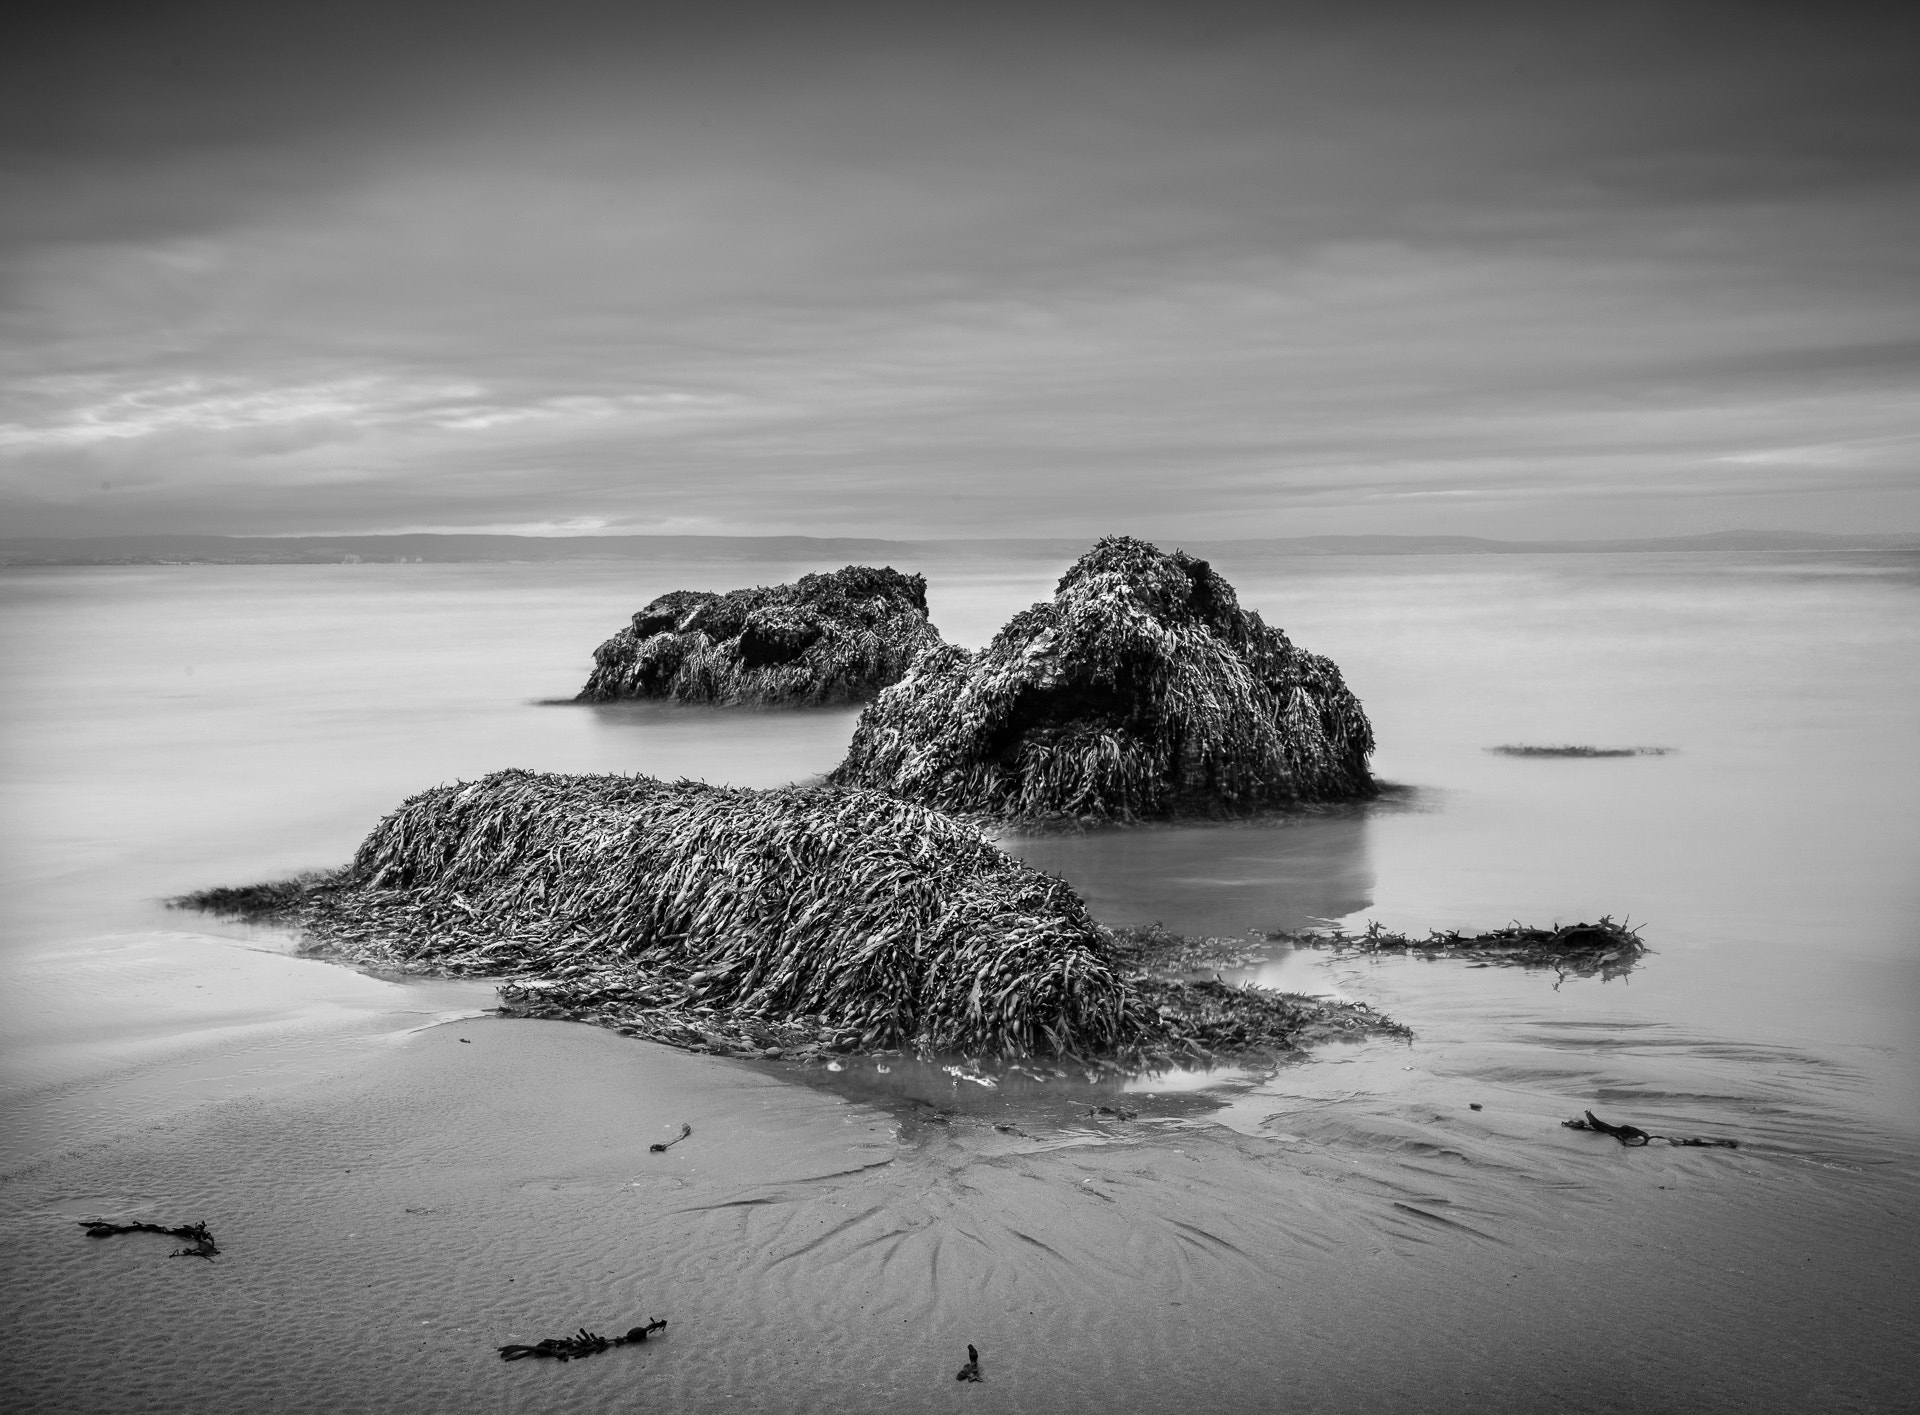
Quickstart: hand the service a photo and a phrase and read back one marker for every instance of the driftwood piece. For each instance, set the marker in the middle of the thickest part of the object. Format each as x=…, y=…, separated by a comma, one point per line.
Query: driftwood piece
x=1634, y=1136
x=581, y=1344
x=970, y=1371
x=662, y=1146
x=201, y=1244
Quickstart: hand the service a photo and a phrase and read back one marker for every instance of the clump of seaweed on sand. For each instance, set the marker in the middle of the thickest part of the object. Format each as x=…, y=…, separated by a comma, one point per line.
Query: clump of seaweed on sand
x=828, y=638
x=1232, y=1018
x=1141, y=690
x=1605, y=949
x=791, y=922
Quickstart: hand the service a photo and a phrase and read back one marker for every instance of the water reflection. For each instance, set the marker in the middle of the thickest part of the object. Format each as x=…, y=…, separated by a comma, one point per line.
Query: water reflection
x=1216, y=879
x=1050, y=1097
x=737, y=746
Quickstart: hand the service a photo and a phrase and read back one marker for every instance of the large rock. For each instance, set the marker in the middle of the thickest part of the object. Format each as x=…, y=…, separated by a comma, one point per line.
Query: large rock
x=874, y=917
x=834, y=638
x=1143, y=690
x=791, y=922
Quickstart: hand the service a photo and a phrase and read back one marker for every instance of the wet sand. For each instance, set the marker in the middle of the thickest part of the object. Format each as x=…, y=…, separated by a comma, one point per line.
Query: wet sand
x=385, y=1226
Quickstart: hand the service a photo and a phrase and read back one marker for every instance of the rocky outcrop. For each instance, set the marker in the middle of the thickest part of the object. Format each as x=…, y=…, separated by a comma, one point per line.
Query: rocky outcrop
x=831, y=638
x=1142, y=690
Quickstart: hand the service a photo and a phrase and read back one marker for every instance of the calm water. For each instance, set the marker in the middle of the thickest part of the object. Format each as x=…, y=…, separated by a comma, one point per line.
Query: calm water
x=171, y=727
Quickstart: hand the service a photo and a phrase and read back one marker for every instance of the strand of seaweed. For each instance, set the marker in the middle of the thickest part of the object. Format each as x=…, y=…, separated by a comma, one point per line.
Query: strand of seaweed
x=195, y=1235
x=1606, y=949
x=1521, y=749
x=790, y=923
x=1633, y=1137
x=581, y=1344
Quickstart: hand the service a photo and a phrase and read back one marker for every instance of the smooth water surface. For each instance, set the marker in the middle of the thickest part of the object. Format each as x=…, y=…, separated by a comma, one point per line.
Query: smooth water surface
x=171, y=727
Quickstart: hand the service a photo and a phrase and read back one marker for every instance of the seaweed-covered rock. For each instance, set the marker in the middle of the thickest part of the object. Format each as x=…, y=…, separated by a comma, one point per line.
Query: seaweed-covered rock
x=876, y=917
x=790, y=923
x=833, y=638
x=1142, y=690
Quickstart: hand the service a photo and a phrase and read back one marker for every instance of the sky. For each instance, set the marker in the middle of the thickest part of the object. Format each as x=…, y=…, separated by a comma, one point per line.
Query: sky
x=1202, y=269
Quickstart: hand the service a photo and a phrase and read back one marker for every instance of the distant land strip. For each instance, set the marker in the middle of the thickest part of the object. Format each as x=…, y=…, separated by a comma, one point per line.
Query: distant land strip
x=459, y=549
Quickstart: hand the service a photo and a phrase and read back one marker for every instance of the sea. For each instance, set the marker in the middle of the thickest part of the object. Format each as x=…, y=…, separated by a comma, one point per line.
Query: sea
x=168, y=727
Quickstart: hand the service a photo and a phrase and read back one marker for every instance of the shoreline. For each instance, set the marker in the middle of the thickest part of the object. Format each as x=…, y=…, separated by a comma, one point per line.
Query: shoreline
x=384, y=1228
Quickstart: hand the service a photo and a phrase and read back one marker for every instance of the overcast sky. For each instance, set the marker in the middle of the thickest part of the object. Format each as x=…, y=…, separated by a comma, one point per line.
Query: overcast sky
x=1185, y=269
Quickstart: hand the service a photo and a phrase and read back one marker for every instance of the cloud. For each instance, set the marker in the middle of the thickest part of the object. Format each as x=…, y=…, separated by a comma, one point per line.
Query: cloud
x=211, y=406
x=1227, y=270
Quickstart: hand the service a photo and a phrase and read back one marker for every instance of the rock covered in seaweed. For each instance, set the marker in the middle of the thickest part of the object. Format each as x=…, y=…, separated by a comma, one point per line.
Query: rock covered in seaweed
x=877, y=917
x=828, y=638
x=1141, y=690
x=790, y=923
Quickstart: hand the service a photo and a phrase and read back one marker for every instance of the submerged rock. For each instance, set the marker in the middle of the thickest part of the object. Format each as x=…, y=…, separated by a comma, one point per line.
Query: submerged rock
x=1142, y=690
x=830, y=638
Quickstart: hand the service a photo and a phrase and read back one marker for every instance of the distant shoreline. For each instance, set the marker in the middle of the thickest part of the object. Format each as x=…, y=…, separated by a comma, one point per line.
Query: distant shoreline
x=17, y=551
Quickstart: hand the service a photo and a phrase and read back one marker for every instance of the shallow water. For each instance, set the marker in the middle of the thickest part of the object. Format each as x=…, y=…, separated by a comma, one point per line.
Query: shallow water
x=171, y=727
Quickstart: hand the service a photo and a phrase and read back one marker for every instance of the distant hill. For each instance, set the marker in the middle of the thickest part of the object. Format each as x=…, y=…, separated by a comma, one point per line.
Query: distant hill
x=467, y=549
x=1751, y=541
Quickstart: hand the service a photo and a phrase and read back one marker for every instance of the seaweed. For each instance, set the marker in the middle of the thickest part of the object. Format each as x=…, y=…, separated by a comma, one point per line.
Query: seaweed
x=1158, y=951
x=1207, y=1019
x=881, y=922
x=581, y=1344
x=1513, y=749
x=1606, y=949
x=1142, y=690
x=1634, y=1137
x=195, y=1235
x=660, y=1147
x=790, y=924
x=826, y=639
x=970, y=1371
x=249, y=901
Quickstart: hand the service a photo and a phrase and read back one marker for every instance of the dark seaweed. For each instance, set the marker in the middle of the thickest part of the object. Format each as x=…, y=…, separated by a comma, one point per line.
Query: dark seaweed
x=195, y=1234
x=581, y=1344
x=1605, y=949
x=1634, y=1137
x=1517, y=750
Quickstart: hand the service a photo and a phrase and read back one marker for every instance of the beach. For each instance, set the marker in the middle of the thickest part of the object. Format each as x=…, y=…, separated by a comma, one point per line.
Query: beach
x=400, y=1183
x=382, y=1232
